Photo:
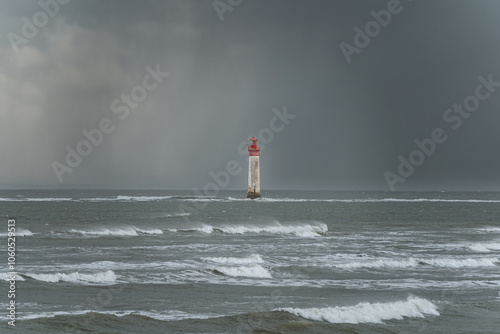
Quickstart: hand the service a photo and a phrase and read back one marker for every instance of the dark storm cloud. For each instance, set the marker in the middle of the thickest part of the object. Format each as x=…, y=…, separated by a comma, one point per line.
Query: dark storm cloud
x=352, y=121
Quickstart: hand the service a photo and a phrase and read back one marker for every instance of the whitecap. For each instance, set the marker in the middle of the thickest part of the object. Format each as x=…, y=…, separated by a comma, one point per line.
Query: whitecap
x=413, y=307
x=254, y=271
x=36, y=199
x=484, y=247
x=414, y=262
x=116, y=231
x=303, y=230
x=254, y=258
x=142, y=198
x=7, y=277
x=76, y=277
x=19, y=232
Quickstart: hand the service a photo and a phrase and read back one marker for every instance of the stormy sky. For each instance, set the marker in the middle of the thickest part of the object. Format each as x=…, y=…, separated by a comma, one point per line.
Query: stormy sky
x=355, y=102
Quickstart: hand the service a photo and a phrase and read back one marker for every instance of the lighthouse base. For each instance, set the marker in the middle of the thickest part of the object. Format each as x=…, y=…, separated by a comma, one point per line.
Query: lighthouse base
x=253, y=177
x=253, y=195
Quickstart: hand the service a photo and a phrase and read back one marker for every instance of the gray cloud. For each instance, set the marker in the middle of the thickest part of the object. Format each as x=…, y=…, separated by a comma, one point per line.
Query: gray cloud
x=353, y=120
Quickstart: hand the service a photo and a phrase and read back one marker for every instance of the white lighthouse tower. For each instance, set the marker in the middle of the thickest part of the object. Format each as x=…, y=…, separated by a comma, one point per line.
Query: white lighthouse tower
x=253, y=170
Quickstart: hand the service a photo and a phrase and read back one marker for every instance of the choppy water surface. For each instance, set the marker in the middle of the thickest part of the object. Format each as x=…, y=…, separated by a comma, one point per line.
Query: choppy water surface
x=130, y=261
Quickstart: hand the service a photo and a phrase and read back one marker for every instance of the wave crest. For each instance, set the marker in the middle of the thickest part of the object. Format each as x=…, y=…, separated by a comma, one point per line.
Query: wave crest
x=36, y=199
x=255, y=271
x=20, y=232
x=142, y=198
x=313, y=229
x=488, y=229
x=413, y=262
x=254, y=258
x=6, y=277
x=413, y=307
x=104, y=277
x=117, y=231
x=484, y=247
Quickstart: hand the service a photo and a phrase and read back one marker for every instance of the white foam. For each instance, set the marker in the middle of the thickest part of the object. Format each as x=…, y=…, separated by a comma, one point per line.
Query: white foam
x=111, y=265
x=462, y=263
x=413, y=307
x=376, y=200
x=484, y=247
x=440, y=200
x=183, y=214
x=149, y=231
x=254, y=271
x=414, y=262
x=142, y=198
x=488, y=229
x=6, y=277
x=299, y=229
x=117, y=231
x=125, y=198
x=254, y=258
x=382, y=263
x=20, y=232
x=36, y=199
x=206, y=199
x=166, y=315
x=204, y=228
x=100, y=277
x=41, y=315
x=196, y=198
x=98, y=199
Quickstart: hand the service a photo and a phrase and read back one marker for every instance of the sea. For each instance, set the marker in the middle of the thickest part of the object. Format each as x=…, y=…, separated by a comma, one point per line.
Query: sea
x=164, y=261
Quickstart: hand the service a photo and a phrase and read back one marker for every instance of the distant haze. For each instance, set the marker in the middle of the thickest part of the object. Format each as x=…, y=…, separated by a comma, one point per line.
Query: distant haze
x=354, y=115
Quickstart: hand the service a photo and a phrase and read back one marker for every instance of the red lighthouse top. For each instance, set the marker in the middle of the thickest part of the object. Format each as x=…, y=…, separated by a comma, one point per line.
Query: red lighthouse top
x=253, y=149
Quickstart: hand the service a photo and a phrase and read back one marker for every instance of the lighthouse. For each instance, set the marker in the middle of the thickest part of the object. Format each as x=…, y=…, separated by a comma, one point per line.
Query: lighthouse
x=253, y=169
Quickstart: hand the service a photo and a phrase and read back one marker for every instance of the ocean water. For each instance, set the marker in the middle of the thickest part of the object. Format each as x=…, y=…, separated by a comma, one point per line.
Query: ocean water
x=137, y=261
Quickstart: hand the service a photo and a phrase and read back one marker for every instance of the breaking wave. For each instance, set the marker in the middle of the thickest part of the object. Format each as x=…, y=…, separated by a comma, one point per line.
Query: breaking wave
x=300, y=229
x=412, y=263
x=254, y=258
x=100, y=277
x=413, y=307
x=6, y=277
x=117, y=231
x=20, y=232
x=484, y=247
x=254, y=271
x=306, y=230
x=202, y=228
x=239, y=266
